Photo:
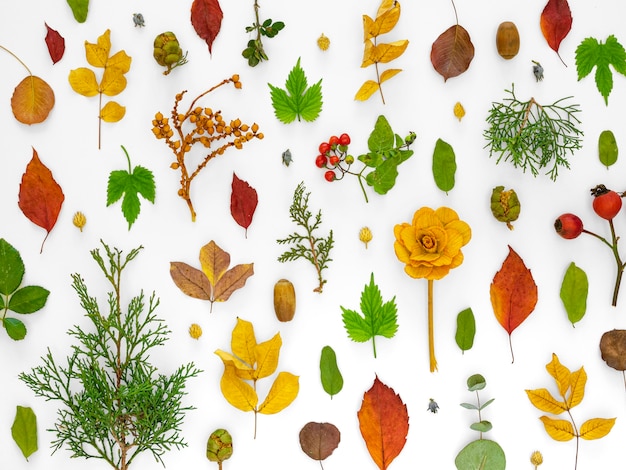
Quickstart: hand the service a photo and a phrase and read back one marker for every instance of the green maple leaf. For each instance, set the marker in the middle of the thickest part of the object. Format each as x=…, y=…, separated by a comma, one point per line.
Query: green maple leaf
x=298, y=100
x=129, y=184
x=379, y=319
x=591, y=53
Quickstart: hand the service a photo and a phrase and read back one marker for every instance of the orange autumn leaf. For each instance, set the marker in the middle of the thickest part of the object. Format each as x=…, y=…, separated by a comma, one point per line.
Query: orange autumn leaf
x=556, y=23
x=513, y=294
x=40, y=196
x=32, y=100
x=384, y=423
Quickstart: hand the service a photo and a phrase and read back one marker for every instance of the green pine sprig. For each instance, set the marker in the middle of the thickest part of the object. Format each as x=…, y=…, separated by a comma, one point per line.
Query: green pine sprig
x=299, y=100
x=592, y=53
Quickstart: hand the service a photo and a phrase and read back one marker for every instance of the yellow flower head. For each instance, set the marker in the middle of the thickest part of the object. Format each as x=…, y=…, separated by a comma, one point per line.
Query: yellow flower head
x=430, y=246
x=195, y=331
x=536, y=458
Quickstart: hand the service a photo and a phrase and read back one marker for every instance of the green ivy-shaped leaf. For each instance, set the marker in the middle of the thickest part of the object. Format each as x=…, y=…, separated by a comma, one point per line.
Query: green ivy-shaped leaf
x=591, y=53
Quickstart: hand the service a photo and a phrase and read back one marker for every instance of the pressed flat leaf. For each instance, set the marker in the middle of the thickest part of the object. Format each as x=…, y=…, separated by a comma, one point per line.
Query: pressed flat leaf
x=367, y=89
x=444, y=165
x=28, y=299
x=266, y=356
x=543, y=400
x=578, y=380
x=214, y=262
x=596, y=428
x=112, y=112
x=80, y=8
x=368, y=27
x=452, y=52
x=40, y=196
x=612, y=348
x=558, y=429
x=55, y=43
x=243, y=341
x=130, y=185
x=481, y=454
x=15, y=328
x=383, y=23
x=319, y=440
x=556, y=23
x=24, y=430
x=386, y=52
x=98, y=54
x=384, y=423
x=120, y=61
x=482, y=426
x=574, y=289
x=607, y=148
x=368, y=53
x=465, y=329
x=83, y=81
x=238, y=393
x=384, y=177
x=381, y=137
x=206, y=18
x=560, y=374
x=11, y=268
x=283, y=392
x=297, y=101
x=32, y=100
x=242, y=370
x=591, y=53
x=330, y=375
x=113, y=81
x=243, y=202
x=233, y=279
x=190, y=280
x=389, y=73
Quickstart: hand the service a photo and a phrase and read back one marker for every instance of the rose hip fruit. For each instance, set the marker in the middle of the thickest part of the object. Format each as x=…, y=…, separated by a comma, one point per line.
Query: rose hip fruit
x=568, y=226
x=606, y=203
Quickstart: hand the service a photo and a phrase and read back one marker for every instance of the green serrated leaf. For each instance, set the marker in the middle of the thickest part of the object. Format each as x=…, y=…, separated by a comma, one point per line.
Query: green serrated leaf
x=80, y=9
x=116, y=186
x=15, y=328
x=591, y=53
x=24, y=430
x=574, y=290
x=11, y=268
x=143, y=181
x=332, y=380
x=444, y=165
x=382, y=137
x=311, y=102
x=465, y=329
x=607, y=148
x=28, y=299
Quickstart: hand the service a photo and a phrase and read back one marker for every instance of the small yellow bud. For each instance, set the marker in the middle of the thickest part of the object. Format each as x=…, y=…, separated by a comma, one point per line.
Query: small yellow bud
x=459, y=111
x=365, y=235
x=79, y=220
x=195, y=331
x=323, y=42
x=536, y=458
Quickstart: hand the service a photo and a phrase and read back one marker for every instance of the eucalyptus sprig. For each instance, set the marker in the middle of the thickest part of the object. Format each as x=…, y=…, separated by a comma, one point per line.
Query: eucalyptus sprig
x=114, y=403
x=533, y=136
x=310, y=246
x=254, y=51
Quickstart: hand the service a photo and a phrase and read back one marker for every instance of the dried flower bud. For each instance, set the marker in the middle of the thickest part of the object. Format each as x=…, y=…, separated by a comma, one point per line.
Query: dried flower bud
x=536, y=458
x=195, y=331
x=365, y=235
x=505, y=205
x=459, y=111
x=323, y=42
x=219, y=447
x=79, y=220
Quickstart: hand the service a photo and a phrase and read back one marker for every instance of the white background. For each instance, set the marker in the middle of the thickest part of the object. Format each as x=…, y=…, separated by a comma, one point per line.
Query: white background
x=417, y=100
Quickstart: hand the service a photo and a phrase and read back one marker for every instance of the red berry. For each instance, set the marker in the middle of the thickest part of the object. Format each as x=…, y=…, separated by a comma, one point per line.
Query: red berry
x=324, y=148
x=320, y=161
x=568, y=226
x=329, y=176
x=344, y=139
x=606, y=203
x=334, y=159
x=334, y=140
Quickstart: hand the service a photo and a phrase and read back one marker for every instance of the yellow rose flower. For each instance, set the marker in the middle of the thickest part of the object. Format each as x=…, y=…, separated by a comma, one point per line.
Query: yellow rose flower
x=431, y=245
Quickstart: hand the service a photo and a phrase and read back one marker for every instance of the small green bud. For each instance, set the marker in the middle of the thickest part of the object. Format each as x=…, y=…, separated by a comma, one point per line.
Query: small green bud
x=349, y=160
x=219, y=447
x=409, y=139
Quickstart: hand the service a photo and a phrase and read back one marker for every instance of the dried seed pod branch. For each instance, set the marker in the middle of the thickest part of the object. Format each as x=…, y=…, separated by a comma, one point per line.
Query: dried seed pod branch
x=209, y=128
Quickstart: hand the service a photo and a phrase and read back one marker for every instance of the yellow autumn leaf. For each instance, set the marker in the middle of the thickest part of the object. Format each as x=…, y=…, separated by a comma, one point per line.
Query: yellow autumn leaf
x=386, y=5
x=367, y=89
x=284, y=391
x=387, y=74
x=32, y=100
x=243, y=342
x=266, y=354
x=112, y=112
x=238, y=393
x=560, y=373
x=214, y=262
x=98, y=54
x=368, y=25
x=578, y=380
x=242, y=370
x=543, y=399
x=558, y=429
x=386, y=21
x=596, y=428
x=367, y=54
x=387, y=52
x=83, y=81
x=113, y=81
x=120, y=60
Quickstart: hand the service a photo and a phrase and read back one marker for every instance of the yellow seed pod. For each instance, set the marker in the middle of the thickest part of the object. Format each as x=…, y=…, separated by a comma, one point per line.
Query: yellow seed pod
x=79, y=220
x=195, y=331
x=365, y=235
x=323, y=42
x=459, y=111
x=536, y=458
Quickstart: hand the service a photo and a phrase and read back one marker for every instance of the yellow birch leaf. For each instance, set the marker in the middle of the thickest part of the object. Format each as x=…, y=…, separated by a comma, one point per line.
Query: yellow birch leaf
x=596, y=428
x=558, y=429
x=368, y=25
x=214, y=262
x=243, y=342
x=367, y=54
x=112, y=112
x=237, y=392
x=242, y=370
x=384, y=6
x=266, y=354
x=543, y=399
x=386, y=21
x=83, y=81
x=120, y=60
x=113, y=82
x=387, y=74
x=284, y=391
x=387, y=52
x=578, y=380
x=560, y=373
x=98, y=54
x=367, y=89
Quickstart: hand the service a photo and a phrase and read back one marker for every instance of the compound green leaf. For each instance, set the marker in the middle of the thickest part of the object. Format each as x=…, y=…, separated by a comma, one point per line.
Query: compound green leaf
x=332, y=380
x=444, y=165
x=465, y=329
x=574, y=290
x=607, y=148
x=24, y=430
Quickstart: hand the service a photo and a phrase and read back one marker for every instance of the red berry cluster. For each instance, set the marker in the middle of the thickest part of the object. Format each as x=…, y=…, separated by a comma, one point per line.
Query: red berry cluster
x=333, y=157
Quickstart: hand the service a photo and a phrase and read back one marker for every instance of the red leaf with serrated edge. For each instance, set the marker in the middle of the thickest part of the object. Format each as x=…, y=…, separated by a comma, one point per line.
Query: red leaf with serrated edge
x=40, y=197
x=243, y=202
x=384, y=423
x=206, y=18
x=55, y=43
x=556, y=22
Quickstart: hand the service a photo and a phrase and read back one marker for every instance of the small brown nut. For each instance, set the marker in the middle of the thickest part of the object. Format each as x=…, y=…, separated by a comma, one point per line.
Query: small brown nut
x=284, y=300
x=507, y=40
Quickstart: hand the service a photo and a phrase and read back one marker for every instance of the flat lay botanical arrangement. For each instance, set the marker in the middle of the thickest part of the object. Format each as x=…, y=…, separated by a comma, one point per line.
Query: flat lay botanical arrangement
x=329, y=214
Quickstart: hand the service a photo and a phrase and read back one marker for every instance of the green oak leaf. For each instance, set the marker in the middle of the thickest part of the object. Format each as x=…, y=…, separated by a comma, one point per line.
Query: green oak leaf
x=24, y=430
x=298, y=100
x=591, y=53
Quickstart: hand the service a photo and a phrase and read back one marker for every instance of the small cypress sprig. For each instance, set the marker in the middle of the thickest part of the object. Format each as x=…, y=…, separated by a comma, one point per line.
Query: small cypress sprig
x=310, y=247
x=533, y=136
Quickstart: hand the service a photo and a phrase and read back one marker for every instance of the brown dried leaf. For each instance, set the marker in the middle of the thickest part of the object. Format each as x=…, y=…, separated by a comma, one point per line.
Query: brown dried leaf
x=233, y=279
x=190, y=280
x=613, y=349
x=32, y=100
x=319, y=440
x=452, y=52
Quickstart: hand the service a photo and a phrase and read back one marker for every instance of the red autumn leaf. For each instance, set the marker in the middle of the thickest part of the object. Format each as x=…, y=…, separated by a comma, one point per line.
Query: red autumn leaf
x=55, y=43
x=243, y=202
x=452, y=52
x=513, y=293
x=556, y=22
x=40, y=197
x=206, y=18
x=384, y=423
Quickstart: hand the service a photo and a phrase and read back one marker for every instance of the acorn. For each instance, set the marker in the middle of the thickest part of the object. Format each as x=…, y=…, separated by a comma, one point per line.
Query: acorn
x=167, y=51
x=284, y=300
x=507, y=40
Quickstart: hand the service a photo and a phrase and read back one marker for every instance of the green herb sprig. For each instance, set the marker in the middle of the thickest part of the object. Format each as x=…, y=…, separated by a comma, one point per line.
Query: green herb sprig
x=254, y=51
x=310, y=247
x=533, y=136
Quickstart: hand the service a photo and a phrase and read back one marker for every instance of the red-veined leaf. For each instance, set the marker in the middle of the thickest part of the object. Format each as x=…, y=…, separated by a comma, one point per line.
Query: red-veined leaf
x=452, y=52
x=55, y=43
x=243, y=202
x=556, y=22
x=206, y=18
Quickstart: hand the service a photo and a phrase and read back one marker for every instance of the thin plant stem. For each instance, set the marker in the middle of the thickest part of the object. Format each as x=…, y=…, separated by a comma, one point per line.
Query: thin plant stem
x=431, y=328
x=17, y=58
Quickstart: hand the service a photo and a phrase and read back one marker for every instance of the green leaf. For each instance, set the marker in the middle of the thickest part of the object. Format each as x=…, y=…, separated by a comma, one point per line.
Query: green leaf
x=591, y=53
x=383, y=178
x=331, y=377
x=465, y=329
x=80, y=8
x=24, y=430
x=378, y=319
x=15, y=328
x=28, y=299
x=382, y=137
x=11, y=268
x=481, y=426
x=297, y=101
x=607, y=148
x=574, y=290
x=444, y=165
x=481, y=454
x=486, y=404
x=476, y=382
x=469, y=406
